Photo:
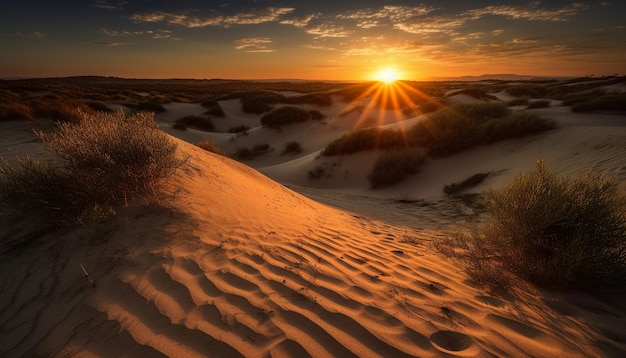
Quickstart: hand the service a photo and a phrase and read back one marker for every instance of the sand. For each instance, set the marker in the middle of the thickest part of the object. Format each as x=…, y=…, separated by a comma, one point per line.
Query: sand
x=227, y=262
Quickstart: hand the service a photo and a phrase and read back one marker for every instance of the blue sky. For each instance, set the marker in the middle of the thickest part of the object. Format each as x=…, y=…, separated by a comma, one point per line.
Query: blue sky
x=337, y=40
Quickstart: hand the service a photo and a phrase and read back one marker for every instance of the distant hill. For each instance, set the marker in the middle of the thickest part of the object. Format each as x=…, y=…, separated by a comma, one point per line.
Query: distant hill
x=501, y=77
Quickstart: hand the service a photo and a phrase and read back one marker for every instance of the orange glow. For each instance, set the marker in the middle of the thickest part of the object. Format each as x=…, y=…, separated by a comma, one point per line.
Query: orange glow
x=387, y=75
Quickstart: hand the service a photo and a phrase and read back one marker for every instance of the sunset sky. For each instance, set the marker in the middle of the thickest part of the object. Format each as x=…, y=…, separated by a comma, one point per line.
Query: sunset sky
x=323, y=39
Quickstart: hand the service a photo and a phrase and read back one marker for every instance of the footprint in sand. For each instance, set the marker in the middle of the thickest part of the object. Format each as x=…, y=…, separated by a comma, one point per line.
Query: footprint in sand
x=454, y=343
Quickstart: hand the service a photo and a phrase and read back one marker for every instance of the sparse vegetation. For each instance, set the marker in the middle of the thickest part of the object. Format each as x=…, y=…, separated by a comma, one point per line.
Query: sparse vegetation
x=519, y=101
x=393, y=166
x=551, y=230
x=210, y=146
x=14, y=110
x=149, y=107
x=365, y=139
x=193, y=121
x=243, y=129
x=316, y=173
x=456, y=188
x=543, y=103
x=249, y=154
x=529, y=90
x=292, y=148
x=284, y=116
x=213, y=108
x=605, y=102
x=103, y=159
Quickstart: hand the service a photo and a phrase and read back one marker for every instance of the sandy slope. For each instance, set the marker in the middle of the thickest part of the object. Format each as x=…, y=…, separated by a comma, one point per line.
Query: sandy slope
x=230, y=263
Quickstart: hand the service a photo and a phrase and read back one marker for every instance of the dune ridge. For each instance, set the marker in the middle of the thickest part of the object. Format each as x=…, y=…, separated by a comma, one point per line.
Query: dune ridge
x=229, y=263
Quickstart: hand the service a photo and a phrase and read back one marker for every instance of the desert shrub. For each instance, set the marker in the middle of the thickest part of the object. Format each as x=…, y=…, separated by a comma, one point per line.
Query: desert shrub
x=102, y=159
x=210, y=146
x=462, y=126
x=456, y=188
x=393, y=166
x=365, y=139
x=62, y=110
x=256, y=107
x=244, y=154
x=475, y=92
x=582, y=96
x=539, y=104
x=14, y=110
x=320, y=99
x=553, y=231
x=607, y=102
x=43, y=188
x=239, y=129
x=213, y=108
x=292, y=148
x=193, y=121
x=519, y=101
x=284, y=116
x=98, y=106
x=149, y=107
x=249, y=154
x=431, y=106
x=316, y=115
x=115, y=156
x=528, y=90
x=316, y=173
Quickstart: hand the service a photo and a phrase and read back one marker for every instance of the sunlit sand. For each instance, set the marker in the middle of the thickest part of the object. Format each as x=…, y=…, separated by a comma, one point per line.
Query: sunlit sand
x=256, y=259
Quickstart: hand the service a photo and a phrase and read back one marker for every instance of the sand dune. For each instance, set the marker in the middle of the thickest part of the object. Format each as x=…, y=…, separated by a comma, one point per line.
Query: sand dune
x=230, y=263
x=227, y=262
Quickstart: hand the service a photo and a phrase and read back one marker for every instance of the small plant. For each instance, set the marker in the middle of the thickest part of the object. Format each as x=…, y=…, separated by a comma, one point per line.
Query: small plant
x=243, y=129
x=213, y=108
x=198, y=122
x=292, y=148
x=552, y=231
x=210, y=146
x=393, y=166
x=249, y=154
x=456, y=188
x=154, y=107
x=528, y=90
x=284, y=116
x=316, y=173
x=519, y=101
x=543, y=103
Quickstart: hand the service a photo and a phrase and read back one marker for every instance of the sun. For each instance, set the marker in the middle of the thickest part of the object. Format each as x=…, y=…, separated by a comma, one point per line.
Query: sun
x=387, y=75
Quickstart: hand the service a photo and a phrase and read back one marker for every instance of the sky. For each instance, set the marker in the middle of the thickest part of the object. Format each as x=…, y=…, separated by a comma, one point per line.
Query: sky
x=314, y=40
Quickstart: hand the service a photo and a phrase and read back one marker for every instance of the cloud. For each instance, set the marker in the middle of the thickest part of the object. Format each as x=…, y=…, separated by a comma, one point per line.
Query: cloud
x=328, y=30
x=369, y=18
x=254, y=44
x=300, y=22
x=110, y=4
x=103, y=43
x=531, y=11
x=155, y=34
x=34, y=34
x=258, y=16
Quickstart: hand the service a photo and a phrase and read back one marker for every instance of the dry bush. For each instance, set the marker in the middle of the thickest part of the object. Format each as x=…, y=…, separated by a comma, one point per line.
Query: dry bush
x=193, y=121
x=392, y=166
x=210, y=146
x=103, y=159
x=284, y=116
x=14, y=110
x=292, y=148
x=543, y=103
x=552, y=231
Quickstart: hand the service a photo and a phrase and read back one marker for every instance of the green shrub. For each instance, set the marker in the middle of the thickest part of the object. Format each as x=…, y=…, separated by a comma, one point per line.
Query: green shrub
x=539, y=104
x=292, y=148
x=552, y=231
x=198, y=122
x=105, y=158
x=284, y=116
x=393, y=166
x=210, y=146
